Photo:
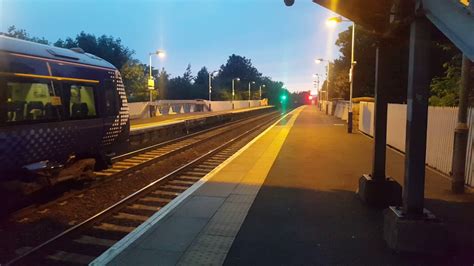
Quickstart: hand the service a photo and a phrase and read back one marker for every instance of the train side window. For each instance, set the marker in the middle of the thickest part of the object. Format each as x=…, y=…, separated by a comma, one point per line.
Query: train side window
x=31, y=101
x=81, y=102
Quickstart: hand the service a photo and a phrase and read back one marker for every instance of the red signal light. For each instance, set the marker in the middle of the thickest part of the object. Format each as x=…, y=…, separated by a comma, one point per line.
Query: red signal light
x=310, y=97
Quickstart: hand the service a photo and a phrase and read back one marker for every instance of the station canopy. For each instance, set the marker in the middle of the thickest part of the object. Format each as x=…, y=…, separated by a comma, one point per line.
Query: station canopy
x=454, y=18
x=373, y=15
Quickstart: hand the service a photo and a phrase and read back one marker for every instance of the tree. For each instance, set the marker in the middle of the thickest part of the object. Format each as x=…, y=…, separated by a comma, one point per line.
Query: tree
x=135, y=81
x=444, y=89
x=180, y=87
x=364, y=70
x=13, y=32
x=236, y=67
x=106, y=47
x=201, y=84
x=161, y=87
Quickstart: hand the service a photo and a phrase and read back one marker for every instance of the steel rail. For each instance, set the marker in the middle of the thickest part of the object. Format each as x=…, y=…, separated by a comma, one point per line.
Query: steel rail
x=136, y=195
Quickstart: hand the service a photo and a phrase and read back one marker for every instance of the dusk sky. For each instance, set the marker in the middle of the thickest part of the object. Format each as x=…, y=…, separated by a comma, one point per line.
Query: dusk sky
x=281, y=41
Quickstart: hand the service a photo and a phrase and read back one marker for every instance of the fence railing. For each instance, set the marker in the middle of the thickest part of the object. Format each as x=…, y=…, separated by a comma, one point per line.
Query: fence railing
x=140, y=110
x=442, y=122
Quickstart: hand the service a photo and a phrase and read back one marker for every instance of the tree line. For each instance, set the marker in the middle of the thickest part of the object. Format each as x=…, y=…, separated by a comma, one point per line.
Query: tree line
x=186, y=86
x=445, y=68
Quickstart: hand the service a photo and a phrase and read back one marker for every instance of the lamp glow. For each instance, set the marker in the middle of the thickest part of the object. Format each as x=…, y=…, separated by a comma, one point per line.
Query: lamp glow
x=332, y=22
x=160, y=53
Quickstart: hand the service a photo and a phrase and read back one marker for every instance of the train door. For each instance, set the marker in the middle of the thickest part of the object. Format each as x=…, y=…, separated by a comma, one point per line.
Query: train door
x=111, y=118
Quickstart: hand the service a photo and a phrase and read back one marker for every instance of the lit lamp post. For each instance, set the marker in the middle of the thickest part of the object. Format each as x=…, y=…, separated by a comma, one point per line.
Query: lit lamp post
x=211, y=74
x=332, y=22
x=316, y=83
x=260, y=88
x=233, y=90
x=319, y=61
x=151, y=81
x=250, y=85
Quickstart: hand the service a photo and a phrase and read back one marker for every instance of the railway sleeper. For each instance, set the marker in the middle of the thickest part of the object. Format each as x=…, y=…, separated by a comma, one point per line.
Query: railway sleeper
x=114, y=227
x=166, y=194
x=192, y=178
x=129, y=216
x=91, y=240
x=181, y=182
x=143, y=207
x=155, y=200
x=63, y=256
x=175, y=188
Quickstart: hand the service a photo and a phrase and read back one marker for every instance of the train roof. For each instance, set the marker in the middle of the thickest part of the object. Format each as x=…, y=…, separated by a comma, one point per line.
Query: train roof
x=48, y=51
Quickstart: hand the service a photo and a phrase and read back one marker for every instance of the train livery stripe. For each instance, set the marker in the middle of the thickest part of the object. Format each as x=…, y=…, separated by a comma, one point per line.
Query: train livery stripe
x=48, y=77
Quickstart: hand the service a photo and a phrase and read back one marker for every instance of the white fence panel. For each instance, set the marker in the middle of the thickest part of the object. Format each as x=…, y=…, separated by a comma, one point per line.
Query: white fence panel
x=217, y=106
x=345, y=112
x=440, y=137
x=366, y=118
x=396, y=125
x=137, y=109
x=330, y=108
x=241, y=104
x=440, y=132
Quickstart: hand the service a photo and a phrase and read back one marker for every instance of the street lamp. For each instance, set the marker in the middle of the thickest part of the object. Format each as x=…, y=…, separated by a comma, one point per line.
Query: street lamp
x=211, y=74
x=233, y=90
x=260, y=88
x=250, y=83
x=333, y=22
x=319, y=61
x=317, y=88
x=151, y=81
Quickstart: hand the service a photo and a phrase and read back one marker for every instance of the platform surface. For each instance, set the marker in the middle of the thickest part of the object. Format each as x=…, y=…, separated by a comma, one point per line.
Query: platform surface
x=288, y=198
x=177, y=118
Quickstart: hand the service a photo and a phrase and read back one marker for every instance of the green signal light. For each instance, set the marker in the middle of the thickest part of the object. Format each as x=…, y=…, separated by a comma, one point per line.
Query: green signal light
x=283, y=97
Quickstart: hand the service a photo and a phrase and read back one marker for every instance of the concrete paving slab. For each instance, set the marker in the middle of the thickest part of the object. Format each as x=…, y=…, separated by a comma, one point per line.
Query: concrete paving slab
x=216, y=189
x=200, y=207
x=146, y=257
x=175, y=234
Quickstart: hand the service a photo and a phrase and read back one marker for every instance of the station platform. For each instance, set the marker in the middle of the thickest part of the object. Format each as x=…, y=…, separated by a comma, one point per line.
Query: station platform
x=288, y=198
x=163, y=120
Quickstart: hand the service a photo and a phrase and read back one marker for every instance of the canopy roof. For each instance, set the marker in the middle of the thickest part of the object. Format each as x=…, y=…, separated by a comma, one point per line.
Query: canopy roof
x=373, y=15
x=454, y=18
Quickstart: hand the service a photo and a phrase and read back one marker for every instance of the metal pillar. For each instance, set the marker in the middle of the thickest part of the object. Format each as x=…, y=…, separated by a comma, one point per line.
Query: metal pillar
x=417, y=116
x=376, y=189
x=380, y=114
x=461, y=131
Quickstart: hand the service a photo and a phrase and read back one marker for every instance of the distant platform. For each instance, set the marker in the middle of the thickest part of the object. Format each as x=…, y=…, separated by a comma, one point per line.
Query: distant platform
x=288, y=198
x=161, y=120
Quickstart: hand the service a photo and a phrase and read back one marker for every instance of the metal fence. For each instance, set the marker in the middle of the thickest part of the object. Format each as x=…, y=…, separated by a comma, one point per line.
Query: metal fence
x=440, y=134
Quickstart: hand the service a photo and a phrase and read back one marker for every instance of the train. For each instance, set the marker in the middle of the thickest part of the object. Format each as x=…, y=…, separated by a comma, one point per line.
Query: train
x=63, y=112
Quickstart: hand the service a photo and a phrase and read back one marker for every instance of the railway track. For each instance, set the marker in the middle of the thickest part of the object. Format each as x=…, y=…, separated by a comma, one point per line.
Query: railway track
x=81, y=243
x=131, y=161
